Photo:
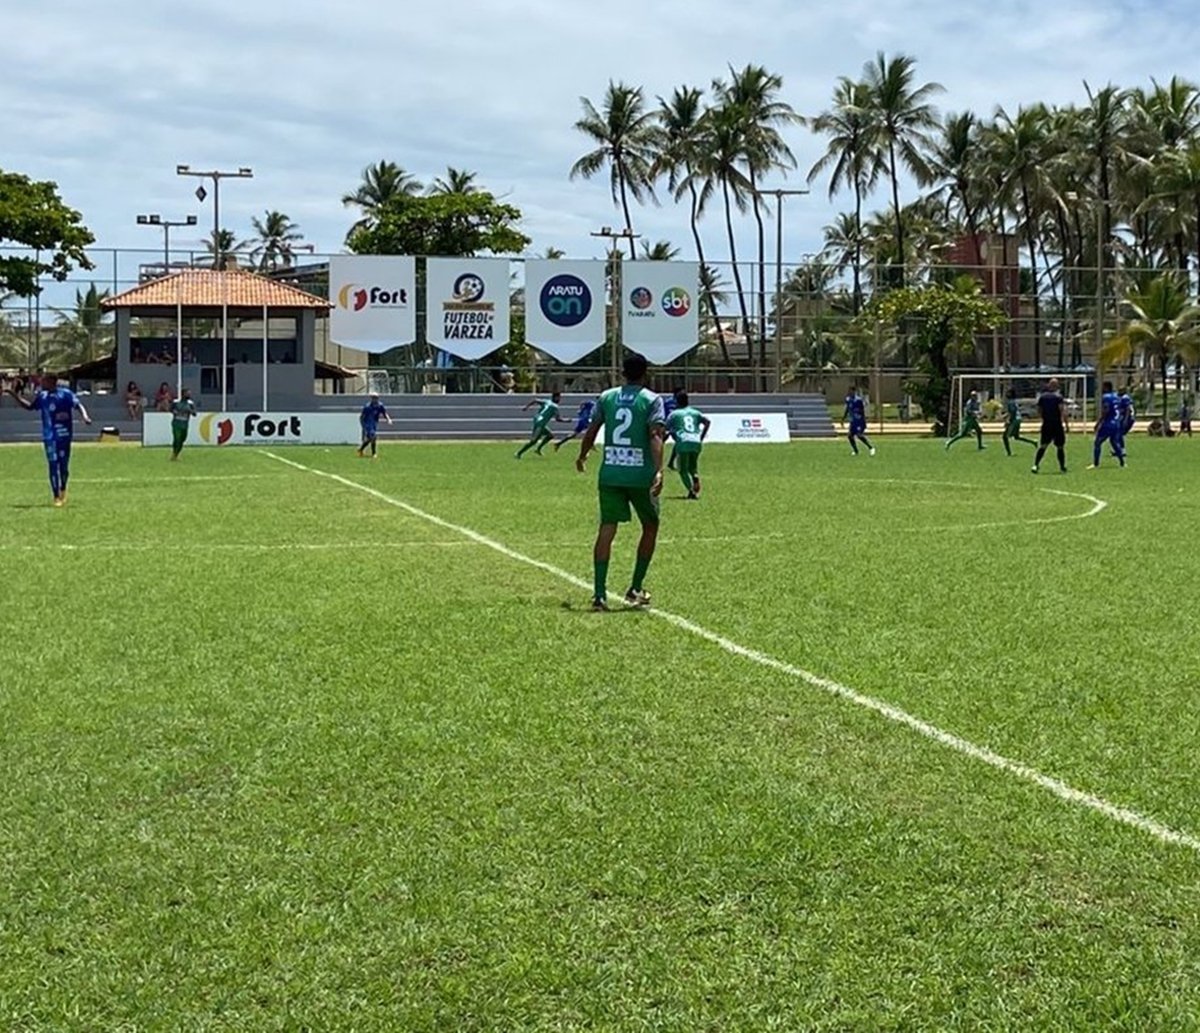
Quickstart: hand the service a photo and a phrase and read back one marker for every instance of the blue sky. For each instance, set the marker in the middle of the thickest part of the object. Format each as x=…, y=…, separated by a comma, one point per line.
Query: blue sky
x=107, y=98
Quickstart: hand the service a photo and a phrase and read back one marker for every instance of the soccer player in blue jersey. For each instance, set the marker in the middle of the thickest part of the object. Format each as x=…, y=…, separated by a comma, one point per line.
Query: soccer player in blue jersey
x=856, y=410
x=1126, y=416
x=670, y=404
x=583, y=417
x=1108, y=427
x=57, y=406
x=369, y=419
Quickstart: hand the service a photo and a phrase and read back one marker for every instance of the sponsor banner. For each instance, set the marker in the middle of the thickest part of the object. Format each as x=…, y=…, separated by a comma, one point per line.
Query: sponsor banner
x=374, y=301
x=564, y=307
x=468, y=305
x=660, y=308
x=258, y=428
x=741, y=429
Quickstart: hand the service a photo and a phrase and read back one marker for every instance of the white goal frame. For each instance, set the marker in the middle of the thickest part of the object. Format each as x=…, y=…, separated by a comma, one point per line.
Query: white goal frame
x=1075, y=389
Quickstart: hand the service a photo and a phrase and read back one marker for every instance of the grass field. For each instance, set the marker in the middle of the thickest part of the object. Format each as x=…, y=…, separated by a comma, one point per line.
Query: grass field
x=281, y=754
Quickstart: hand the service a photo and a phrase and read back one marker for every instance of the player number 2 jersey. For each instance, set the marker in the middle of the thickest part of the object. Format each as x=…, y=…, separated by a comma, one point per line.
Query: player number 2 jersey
x=628, y=413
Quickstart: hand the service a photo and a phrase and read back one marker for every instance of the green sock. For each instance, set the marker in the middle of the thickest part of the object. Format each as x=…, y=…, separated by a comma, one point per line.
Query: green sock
x=685, y=473
x=639, y=572
x=601, y=578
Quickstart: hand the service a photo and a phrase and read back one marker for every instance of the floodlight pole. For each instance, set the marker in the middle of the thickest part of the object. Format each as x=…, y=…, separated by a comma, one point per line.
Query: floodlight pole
x=165, y=225
x=216, y=175
x=615, y=288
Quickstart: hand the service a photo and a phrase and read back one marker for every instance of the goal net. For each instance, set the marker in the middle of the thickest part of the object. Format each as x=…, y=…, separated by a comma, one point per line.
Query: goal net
x=1076, y=388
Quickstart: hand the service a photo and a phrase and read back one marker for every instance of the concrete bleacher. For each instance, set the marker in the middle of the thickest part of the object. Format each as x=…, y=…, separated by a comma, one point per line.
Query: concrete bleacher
x=461, y=417
x=499, y=417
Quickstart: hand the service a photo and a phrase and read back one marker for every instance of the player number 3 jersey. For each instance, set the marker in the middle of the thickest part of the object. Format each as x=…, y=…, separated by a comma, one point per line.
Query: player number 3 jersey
x=628, y=414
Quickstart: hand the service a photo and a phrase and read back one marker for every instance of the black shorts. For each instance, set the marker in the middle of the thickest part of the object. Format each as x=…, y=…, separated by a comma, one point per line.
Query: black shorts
x=1054, y=434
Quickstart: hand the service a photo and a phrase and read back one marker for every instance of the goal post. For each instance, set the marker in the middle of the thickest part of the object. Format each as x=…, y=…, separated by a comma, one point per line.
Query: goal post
x=1076, y=388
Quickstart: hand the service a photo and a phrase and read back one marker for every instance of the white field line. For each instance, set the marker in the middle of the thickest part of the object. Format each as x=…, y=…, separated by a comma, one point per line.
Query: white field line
x=456, y=543
x=155, y=481
x=1024, y=772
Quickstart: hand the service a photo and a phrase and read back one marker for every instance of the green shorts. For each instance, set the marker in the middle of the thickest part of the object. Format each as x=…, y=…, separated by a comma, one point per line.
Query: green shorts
x=616, y=501
x=179, y=433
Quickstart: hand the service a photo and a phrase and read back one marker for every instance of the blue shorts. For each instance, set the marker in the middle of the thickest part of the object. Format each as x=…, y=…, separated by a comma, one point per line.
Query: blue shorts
x=858, y=426
x=582, y=424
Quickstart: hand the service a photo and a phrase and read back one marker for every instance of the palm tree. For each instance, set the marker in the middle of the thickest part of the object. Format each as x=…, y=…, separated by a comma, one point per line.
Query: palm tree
x=457, y=181
x=552, y=253
x=659, y=251
x=623, y=132
x=380, y=183
x=719, y=153
x=83, y=332
x=954, y=160
x=679, y=131
x=273, y=245
x=1165, y=327
x=1104, y=141
x=902, y=118
x=753, y=92
x=220, y=244
x=854, y=159
x=1178, y=182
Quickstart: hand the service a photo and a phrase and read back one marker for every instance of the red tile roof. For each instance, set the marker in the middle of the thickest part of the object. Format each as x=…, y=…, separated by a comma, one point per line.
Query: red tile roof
x=210, y=288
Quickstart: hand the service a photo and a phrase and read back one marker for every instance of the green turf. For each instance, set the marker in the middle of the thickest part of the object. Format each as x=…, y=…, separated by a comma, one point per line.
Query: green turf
x=280, y=756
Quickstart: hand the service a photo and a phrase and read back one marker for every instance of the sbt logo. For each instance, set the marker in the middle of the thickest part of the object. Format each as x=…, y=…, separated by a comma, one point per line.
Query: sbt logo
x=257, y=427
x=676, y=301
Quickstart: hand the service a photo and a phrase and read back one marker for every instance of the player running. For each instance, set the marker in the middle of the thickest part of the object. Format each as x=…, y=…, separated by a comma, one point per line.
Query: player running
x=57, y=406
x=688, y=428
x=182, y=411
x=1108, y=427
x=583, y=417
x=856, y=410
x=541, y=434
x=1126, y=415
x=669, y=404
x=1052, y=407
x=630, y=475
x=970, y=423
x=1012, y=422
x=369, y=421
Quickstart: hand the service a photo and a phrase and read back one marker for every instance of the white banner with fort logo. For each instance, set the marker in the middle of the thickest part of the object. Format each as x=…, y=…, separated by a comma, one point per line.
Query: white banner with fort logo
x=660, y=308
x=220, y=429
x=564, y=307
x=467, y=301
x=374, y=301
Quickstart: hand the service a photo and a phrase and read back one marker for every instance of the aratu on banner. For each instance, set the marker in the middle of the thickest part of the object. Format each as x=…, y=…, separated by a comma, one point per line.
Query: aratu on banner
x=660, y=308
x=467, y=302
x=564, y=307
x=374, y=301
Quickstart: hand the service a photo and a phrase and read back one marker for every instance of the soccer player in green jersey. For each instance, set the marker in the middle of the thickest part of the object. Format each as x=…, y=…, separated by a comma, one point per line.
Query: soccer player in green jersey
x=630, y=475
x=542, y=435
x=689, y=428
x=970, y=423
x=1012, y=422
x=182, y=410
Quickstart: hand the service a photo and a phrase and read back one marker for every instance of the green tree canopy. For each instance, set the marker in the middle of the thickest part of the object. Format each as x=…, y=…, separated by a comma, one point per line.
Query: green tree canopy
x=32, y=215
x=441, y=224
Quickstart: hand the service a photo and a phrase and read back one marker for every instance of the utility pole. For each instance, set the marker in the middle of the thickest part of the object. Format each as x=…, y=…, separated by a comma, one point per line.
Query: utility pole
x=779, y=195
x=216, y=175
x=614, y=289
x=165, y=225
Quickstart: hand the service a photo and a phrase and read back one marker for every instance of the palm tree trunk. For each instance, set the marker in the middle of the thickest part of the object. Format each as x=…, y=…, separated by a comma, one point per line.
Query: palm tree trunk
x=737, y=276
x=762, y=275
x=1031, y=240
x=896, y=208
x=709, y=299
x=625, y=206
x=856, y=296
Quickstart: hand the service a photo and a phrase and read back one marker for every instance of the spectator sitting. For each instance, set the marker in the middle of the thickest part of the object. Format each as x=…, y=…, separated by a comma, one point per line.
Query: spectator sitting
x=163, y=397
x=133, y=400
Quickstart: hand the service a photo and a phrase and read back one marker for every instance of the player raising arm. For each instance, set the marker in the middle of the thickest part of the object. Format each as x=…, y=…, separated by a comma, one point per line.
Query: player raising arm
x=57, y=406
x=630, y=474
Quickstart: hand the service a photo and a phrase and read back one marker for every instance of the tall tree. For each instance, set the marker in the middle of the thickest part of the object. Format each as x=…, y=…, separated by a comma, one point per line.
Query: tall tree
x=456, y=181
x=623, y=133
x=754, y=93
x=83, y=332
x=381, y=182
x=442, y=224
x=954, y=161
x=679, y=132
x=659, y=251
x=219, y=244
x=854, y=160
x=33, y=216
x=274, y=242
x=902, y=119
